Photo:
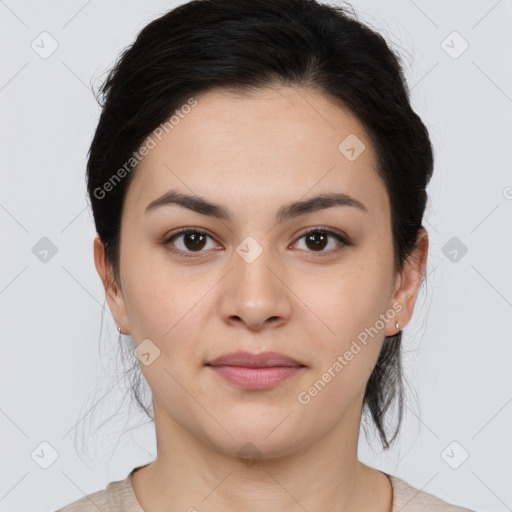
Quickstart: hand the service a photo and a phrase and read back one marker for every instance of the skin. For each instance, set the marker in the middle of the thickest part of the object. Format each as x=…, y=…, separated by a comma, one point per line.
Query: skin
x=291, y=299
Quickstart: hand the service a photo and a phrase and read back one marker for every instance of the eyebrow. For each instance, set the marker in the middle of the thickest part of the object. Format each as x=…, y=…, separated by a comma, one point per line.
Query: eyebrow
x=285, y=212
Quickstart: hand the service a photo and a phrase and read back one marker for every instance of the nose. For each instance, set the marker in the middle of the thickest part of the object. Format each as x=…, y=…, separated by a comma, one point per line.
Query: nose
x=255, y=294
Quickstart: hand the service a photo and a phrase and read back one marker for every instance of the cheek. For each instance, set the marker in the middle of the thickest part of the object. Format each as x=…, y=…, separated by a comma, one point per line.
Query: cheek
x=347, y=307
x=154, y=294
x=344, y=307
x=167, y=305
x=148, y=303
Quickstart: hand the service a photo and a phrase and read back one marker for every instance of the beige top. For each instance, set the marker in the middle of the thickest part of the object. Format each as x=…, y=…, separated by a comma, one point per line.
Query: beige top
x=119, y=496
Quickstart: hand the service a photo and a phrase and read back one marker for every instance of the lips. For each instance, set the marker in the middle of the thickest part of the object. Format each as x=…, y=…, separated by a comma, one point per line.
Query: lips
x=261, y=360
x=254, y=372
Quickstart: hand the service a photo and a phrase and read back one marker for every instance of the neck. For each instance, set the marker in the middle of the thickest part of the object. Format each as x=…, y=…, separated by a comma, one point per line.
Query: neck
x=190, y=474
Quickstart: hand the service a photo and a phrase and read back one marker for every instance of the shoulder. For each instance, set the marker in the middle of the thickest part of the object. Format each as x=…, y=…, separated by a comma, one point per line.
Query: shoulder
x=117, y=496
x=409, y=499
x=97, y=501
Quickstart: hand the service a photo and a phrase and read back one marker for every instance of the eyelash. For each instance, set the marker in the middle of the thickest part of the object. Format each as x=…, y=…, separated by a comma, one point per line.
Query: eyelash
x=345, y=242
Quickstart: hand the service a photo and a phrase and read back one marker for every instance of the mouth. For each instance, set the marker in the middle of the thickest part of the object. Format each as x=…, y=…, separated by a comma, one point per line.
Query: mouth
x=249, y=360
x=255, y=371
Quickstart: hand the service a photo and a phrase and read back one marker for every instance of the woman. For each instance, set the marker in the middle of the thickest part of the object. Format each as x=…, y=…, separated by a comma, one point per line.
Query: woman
x=258, y=181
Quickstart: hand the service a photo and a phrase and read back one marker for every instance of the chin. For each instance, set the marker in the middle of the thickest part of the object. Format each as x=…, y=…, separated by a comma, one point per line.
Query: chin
x=256, y=440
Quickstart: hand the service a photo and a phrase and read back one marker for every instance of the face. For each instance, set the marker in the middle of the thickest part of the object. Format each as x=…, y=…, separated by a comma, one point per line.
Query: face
x=313, y=282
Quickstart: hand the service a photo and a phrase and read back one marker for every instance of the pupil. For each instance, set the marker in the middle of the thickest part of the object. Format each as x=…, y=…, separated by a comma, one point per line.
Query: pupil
x=196, y=243
x=317, y=244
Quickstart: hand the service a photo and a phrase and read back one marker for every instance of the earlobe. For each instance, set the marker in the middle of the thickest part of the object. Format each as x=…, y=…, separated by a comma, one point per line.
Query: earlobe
x=113, y=293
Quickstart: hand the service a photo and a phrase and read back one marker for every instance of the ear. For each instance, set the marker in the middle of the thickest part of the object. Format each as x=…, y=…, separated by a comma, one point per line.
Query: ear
x=113, y=292
x=407, y=284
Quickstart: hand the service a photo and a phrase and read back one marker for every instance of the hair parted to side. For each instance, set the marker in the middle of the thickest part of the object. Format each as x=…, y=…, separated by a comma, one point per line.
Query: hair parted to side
x=244, y=45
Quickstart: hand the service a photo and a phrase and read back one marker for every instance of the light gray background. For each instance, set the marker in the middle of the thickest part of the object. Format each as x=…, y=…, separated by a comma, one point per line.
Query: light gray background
x=458, y=346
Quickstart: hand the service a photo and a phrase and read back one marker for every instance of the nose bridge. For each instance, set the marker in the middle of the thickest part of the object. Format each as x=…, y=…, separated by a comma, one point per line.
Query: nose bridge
x=252, y=270
x=255, y=291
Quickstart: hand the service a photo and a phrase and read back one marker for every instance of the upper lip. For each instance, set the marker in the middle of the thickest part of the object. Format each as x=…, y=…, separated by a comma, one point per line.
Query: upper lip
x=249, y=360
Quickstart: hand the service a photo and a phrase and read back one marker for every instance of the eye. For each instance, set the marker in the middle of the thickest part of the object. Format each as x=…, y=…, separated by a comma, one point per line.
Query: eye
x=318, y=239
x=193, y=241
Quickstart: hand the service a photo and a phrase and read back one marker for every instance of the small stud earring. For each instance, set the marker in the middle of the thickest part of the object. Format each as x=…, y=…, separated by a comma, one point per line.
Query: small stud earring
x=119, y=330
x=397, y=325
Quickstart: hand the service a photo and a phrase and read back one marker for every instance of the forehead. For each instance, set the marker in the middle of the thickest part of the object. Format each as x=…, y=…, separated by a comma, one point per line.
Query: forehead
x=277, y=144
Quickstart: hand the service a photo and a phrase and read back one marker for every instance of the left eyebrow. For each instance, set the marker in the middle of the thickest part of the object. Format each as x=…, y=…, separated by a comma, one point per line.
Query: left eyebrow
x=285, y=212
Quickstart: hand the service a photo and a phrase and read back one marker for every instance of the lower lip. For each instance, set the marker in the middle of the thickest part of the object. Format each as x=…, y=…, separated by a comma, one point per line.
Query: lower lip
x=256, y=378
